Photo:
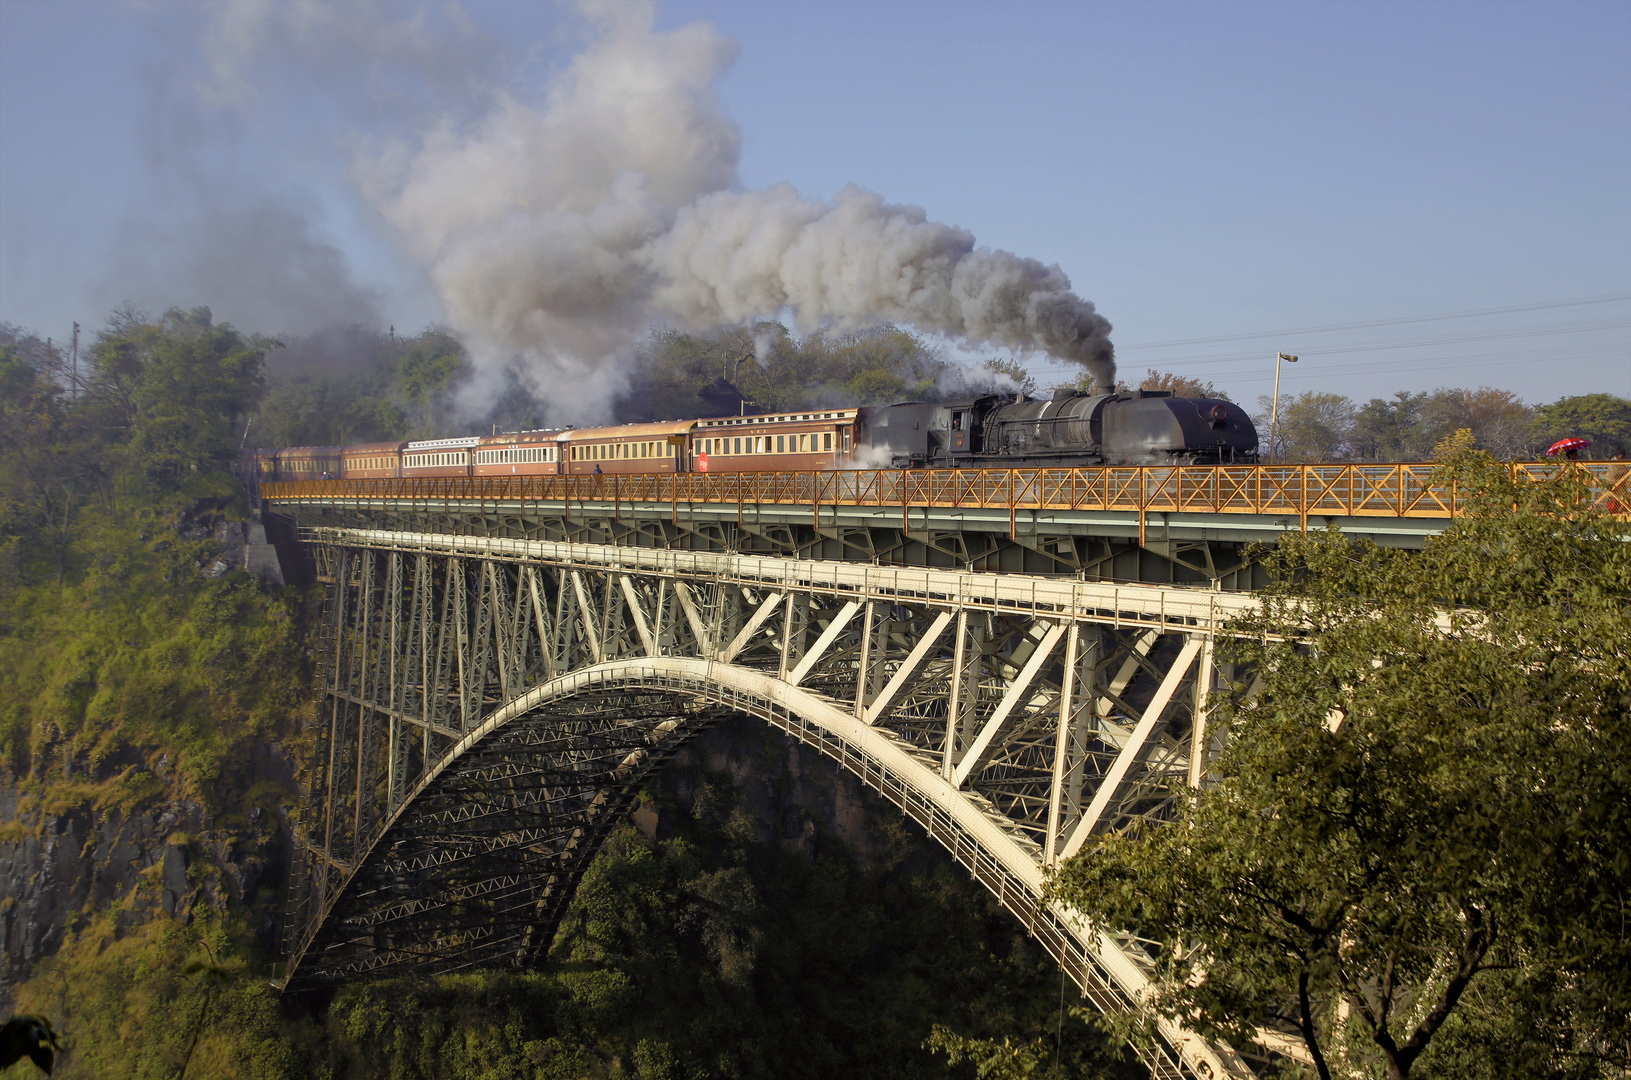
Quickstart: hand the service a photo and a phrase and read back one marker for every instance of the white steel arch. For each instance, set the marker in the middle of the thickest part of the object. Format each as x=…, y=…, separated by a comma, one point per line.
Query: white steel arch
x=474, y=680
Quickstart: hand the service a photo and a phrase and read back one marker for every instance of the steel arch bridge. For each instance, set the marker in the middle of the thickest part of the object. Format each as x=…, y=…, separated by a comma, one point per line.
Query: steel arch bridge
x=492, y=705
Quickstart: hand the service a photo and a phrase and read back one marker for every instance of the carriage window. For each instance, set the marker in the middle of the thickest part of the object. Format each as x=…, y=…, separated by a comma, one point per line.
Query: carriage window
x=826, y=440
x=781, y=444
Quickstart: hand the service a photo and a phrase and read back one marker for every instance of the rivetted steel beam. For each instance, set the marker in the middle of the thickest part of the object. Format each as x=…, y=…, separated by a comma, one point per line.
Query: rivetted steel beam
x=823, y=643
x=897, y=683
x=740, y=642
x=975, y=759
x=1119, y=605
x=1135, y=744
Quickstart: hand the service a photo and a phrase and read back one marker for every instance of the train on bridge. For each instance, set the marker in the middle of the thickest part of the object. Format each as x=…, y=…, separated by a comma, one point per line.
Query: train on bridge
x=1144, y=427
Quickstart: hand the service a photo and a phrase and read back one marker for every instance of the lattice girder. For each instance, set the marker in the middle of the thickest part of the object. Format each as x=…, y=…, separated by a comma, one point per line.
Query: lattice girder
x=492, y=705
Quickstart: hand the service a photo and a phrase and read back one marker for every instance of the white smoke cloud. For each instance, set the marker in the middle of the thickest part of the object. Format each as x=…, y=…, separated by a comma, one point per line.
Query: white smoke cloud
x=967, y=380
x=555, y=229
x=558, y=234
x=536, y=225
x=732, y=256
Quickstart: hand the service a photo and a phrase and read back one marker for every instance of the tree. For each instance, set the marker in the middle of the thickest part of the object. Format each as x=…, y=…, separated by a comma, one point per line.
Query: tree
x=1415, y=849
x=1180, y=385
x=685, y=375
x=42, y=480
x=1498, y=420
x=1603, y=418
x=1314, y=426
x=180, y=391
x=1023, y=379
x=1390, y=429
x=429, y=373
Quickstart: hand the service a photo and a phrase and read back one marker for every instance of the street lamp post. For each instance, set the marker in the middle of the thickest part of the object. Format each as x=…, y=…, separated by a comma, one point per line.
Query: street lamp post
x=1274, y=423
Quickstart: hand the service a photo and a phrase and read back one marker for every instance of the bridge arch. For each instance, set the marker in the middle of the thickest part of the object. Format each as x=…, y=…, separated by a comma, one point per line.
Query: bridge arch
x=474, y=858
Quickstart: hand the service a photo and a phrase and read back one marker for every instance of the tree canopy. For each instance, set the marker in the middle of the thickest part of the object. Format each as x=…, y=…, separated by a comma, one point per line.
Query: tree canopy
x=1415, y=850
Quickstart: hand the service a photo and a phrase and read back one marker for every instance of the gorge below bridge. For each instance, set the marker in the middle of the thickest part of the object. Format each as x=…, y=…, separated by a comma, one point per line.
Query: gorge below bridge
x=502, y=666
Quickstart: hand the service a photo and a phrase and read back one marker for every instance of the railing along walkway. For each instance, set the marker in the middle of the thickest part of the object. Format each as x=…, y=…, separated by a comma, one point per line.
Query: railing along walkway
x=1396, y=491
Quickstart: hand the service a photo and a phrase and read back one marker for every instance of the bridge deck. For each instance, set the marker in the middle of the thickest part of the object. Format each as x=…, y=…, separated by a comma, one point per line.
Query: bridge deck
x=1397, y=502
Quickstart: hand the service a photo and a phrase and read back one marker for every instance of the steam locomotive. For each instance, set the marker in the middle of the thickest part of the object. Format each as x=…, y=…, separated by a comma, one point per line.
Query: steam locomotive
x=1144, y=427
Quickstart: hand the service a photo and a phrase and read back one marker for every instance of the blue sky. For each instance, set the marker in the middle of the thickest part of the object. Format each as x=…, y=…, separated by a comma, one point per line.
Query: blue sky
x=1207, y=174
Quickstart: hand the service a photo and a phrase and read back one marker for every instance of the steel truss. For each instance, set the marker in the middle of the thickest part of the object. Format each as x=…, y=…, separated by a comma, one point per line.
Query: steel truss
x=492, y=706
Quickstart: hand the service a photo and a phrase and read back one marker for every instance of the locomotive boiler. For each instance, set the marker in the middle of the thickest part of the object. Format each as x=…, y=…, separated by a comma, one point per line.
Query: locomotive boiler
x=1143, y=427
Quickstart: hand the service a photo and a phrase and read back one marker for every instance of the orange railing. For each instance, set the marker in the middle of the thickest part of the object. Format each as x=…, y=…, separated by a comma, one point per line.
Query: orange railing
x=1398, y=491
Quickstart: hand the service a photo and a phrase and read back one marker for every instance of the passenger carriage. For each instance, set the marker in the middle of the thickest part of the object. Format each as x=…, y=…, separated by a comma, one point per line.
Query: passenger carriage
x=308, y=463
x=627, y=448
x=439, y=457
x=520, y=453
x=776, y=442
x=372, y=461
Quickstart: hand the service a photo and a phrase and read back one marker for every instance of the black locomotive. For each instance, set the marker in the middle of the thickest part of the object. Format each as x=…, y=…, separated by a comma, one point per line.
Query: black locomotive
x=1143, y=427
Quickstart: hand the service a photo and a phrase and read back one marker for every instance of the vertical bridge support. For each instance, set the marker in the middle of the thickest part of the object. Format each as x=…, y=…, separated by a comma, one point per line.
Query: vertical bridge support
x=491, y=705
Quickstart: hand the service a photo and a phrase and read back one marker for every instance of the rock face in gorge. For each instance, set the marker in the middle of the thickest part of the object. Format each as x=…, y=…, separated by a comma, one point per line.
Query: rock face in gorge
x=172, y=856
x=60, y=863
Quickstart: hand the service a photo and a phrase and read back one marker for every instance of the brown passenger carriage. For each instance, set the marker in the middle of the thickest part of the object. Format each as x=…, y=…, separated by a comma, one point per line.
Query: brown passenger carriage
x=438, y=457
x=372, y=461
x=308, y=463
x=519, y=453
x=803, y=441
x=627, y=448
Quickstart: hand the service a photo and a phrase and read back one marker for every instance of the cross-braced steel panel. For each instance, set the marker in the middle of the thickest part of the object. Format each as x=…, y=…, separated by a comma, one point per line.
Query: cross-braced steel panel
x=492, y=705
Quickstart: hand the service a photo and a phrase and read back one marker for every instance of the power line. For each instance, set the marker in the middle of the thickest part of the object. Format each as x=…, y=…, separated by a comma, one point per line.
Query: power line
x=1409, y=320
x=1501, y=359
x=1424, y=343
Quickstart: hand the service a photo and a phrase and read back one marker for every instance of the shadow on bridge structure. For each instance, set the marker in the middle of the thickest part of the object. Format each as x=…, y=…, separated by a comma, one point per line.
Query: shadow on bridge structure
x=493, y=705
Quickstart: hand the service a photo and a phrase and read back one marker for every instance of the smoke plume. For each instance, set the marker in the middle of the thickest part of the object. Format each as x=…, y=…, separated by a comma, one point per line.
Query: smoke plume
x=556, y=235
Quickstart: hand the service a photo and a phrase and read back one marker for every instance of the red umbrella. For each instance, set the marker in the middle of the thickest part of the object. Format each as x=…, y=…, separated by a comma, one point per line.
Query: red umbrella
x=1567, y=446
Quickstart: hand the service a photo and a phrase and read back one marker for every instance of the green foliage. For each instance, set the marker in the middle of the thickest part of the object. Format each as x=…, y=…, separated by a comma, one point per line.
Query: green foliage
x=349, y=386
x=141, y=657
x=1322, y=426
x=1392, y=429
x=117, y=649
x=129, y=1006
x=991, y=1060
x=682, y=375
x=1180, y=385
x=1314, y=426
x=1416, y=846
x=180, y=389
x=1603, y=418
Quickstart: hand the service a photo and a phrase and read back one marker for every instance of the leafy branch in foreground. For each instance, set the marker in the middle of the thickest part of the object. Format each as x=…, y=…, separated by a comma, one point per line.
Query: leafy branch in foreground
x=1414, y=852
